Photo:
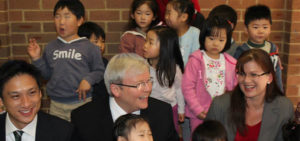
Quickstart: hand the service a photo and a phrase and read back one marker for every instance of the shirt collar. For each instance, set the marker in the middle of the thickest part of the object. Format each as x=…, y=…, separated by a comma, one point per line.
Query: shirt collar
x=28, y=129
x=66, y=42
x=117, y=111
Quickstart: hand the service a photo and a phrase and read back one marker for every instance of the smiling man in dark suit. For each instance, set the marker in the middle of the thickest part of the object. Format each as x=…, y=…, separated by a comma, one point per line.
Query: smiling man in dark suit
x=127, y=79
x=20, y=90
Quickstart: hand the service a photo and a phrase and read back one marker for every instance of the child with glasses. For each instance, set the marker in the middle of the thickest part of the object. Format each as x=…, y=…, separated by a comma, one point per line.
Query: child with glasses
x=166, y=67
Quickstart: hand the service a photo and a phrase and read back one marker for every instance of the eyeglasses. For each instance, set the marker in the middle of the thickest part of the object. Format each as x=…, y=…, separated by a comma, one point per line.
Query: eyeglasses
x=251, y=75
x=140, y=86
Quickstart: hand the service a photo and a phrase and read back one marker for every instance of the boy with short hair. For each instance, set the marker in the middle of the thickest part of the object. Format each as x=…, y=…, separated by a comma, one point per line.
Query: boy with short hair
x=95, y=34
x=70, y=63
x=231, y=16
x=258, y=23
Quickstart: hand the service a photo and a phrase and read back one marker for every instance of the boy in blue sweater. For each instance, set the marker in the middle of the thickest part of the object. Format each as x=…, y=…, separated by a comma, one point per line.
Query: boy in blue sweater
x=71, y=64
x=258, y=23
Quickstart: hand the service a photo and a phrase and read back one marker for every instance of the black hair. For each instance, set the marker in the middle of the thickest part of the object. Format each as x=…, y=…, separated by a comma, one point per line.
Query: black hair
x=14, y=68
x=75, y=6
x=225, y=11
x=238, y=102
x=184, y=6
x=89, y=28
x=169, y=55
x=125, y=123
x=291, y=131
x=135, y=5
x=257, y=12
x=212, y=27
x=210, y=130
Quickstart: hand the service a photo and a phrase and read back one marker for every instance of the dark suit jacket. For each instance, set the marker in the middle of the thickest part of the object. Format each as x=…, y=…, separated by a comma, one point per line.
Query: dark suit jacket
x=93, y=121
x=275, y=114
x=49, y=128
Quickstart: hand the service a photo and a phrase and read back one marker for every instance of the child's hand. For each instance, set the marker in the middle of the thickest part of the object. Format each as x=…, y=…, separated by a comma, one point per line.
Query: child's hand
x=181, y=117
x=83, y=88
x=34, y=49
x=202, y=115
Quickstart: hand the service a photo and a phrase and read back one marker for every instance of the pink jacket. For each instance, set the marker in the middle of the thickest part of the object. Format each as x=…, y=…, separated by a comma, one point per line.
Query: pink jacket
x=193, y=87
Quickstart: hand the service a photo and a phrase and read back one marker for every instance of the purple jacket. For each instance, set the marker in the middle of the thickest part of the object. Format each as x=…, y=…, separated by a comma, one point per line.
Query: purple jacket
x=193, y=87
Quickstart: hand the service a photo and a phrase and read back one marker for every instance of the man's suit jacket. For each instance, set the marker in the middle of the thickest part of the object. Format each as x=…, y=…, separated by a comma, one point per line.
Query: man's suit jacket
x=93, y=121
x=275, y=114
x=49, y=128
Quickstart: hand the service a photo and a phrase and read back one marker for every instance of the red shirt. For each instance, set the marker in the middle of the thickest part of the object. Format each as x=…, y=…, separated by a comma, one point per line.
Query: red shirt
x=251, y=135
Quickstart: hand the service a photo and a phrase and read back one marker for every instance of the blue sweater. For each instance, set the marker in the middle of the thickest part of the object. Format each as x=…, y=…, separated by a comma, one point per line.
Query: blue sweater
x=65, y=65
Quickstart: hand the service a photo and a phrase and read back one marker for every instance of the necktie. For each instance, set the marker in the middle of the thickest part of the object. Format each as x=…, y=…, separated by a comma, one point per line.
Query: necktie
x=18, y=135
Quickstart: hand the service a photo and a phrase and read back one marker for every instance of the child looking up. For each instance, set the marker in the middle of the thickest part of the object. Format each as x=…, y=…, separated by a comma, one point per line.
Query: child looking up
x=209, y=72
x=179, y=15
x=163, y=54
x=131, y=127
x=258, y=23
x=70, y=63
x=143, y=16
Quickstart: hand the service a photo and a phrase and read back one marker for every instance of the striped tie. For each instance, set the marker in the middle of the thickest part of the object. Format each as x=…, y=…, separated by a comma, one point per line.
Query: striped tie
x=18, y=135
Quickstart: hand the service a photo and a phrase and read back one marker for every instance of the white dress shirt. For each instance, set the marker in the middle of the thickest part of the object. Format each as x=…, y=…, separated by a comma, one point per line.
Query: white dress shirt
x=29, y=130
x=116, y=110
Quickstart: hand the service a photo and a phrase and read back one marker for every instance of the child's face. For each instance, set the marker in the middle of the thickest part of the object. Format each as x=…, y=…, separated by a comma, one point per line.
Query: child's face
x=173, y=18
x=98, y=42
x=143, y=16
x=142, y=132
x=214, y=44
x=258, y=30
x=67, y=24
x=152, y=46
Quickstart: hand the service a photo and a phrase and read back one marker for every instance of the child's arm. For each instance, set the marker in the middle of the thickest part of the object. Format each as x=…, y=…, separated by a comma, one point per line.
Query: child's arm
x=189, y=82
x=95, y=75
x=34, y=52
x=179, y=95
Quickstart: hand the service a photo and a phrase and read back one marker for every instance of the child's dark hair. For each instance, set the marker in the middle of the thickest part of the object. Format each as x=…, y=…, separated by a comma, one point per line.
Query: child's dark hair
x=212, y=27
x=169, y=55
x=226, y=12
x=210, y=130
x=291, y=131
x=89, y=28
x=184, y=6
x=257, y=12
x=75, y=6
x=124, y=124
x=135, y=5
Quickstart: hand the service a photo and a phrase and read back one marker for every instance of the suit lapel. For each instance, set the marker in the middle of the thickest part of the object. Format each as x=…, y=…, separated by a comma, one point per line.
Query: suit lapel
x=2, y=127
x=270, y=117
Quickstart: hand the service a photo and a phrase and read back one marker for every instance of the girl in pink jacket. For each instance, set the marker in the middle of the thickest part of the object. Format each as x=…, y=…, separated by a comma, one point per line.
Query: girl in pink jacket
x=209, y=72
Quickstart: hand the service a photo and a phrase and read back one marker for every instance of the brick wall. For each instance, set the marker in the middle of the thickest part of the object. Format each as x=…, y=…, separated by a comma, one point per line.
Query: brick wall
x=23, y=19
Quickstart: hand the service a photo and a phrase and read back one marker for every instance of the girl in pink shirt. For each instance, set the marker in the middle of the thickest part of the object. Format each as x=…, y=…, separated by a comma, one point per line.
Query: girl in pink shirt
x=209, y=71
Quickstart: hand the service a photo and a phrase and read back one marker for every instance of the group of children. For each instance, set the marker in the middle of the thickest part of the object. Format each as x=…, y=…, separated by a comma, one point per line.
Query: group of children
x=189, y=68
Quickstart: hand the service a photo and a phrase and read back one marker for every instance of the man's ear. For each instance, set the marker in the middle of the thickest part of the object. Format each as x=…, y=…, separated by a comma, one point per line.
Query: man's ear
x=115, y=90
